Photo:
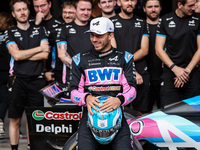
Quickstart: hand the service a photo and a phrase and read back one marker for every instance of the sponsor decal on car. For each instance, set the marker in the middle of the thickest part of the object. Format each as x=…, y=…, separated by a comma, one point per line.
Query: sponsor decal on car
x=49, y=115
x=53, y=129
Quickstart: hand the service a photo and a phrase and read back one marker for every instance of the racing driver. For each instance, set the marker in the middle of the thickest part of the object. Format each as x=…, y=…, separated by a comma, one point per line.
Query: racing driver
x=102, y=71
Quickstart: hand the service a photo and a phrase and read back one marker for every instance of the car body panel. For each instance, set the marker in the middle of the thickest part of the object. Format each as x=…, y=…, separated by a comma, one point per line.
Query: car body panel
x=176, y=126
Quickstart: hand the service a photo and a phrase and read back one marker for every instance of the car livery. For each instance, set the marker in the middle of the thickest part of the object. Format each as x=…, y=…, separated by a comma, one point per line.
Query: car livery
x=177, y=126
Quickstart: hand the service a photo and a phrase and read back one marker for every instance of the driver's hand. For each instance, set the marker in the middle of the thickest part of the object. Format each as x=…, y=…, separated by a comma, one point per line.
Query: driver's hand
x=110, y=104
x=91, y=101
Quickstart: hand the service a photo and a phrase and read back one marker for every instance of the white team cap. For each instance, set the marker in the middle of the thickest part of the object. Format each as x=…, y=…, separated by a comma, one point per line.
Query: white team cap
x=101, y=25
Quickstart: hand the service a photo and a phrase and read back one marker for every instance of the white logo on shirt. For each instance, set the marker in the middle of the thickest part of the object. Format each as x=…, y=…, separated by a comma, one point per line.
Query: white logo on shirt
x=48, y=33
x=172, y=24
x=14, y=30
x=55, y=25
x=138, y=25
x=118, y=25
x=72, y=31
x=114, y=20
x=17, y=34
x=195, y=18
x=169, y=18
x=139, y=20
x=34, y=33
x=58, y=29
x=191, y=23
x=68, y=26
x=115, y=58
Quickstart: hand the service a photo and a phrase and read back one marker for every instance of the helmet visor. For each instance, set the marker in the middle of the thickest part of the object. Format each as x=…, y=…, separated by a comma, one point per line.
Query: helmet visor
x=104, y=133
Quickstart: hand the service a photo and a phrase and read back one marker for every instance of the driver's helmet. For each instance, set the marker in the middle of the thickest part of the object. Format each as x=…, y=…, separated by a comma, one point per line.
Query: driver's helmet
x=105, y=126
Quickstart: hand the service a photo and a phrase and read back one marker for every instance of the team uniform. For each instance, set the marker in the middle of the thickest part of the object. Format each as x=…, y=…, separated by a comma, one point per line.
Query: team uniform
x=128, y=35
x=111, y=73
x=181, y=45
x=154, y=69
x=77, y=41
x=27, y=75
x=4, y=74
x=53, y=63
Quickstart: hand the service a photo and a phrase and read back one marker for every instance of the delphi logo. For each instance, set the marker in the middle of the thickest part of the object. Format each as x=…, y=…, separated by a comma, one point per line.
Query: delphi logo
x=38, y=115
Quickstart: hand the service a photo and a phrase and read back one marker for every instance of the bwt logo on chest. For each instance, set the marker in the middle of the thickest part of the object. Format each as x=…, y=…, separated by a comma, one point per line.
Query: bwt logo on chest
x=103, y=74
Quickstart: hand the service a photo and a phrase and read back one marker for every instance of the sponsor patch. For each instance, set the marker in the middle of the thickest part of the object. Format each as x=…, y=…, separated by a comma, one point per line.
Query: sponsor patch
x=76, y=98
x=106, y=74
x=107, y=88
x=77, y=59
x=128, y=56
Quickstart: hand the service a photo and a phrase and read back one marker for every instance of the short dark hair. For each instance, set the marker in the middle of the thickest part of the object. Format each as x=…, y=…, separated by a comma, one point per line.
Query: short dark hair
x=67, y=3
x=76, y=1
x=99, y=1
x=144, y=2
x=183, y=2
x=12, y=3
x=46, y=0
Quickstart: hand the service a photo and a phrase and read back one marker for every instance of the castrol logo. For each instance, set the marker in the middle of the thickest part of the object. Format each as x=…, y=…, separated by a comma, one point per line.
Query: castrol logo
x=49, y=115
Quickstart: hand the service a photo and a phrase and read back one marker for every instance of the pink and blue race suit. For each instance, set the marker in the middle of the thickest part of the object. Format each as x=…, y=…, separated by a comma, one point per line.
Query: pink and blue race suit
x=111, y=73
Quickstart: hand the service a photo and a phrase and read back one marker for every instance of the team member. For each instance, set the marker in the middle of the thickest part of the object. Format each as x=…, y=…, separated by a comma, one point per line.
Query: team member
x=152, y=9
x=71, y=39
x=131, y=35
x=68, y=11
x=6, y=21
x=102, y=68
x=181, y=33
x=28, y=45
x=54, y=66
x=107, y=7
